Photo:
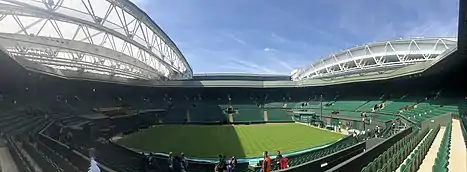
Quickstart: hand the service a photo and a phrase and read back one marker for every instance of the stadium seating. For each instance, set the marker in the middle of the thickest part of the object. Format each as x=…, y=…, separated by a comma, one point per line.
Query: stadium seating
x=206, y=112
x=176, y=115
x=277, y=105
x=442, y=157
x=348, y=104
x=391, y=159
x=393, y=107
x=366, y=107
x=416, y=157
x=248, y=114
x=278, y=115
x=315, y=154
x=56, y=104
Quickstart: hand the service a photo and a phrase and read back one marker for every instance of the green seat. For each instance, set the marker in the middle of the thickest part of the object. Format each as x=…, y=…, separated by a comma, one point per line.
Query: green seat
x=278, y=115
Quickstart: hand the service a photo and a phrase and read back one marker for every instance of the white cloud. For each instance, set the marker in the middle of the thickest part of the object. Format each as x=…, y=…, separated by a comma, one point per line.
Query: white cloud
x=236, y=39
x=400, y=18
x=267, y=49
x=251, y=66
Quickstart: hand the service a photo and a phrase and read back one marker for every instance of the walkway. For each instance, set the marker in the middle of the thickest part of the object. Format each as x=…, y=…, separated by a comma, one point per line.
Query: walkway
x=343, y=131
x=6, y=161
x=430, y=157
x=458, y=156
x=413, y=151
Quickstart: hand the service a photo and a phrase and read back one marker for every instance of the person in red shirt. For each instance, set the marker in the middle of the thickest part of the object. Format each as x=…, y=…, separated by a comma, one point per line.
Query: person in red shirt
x=266, y=166
x=283, y=162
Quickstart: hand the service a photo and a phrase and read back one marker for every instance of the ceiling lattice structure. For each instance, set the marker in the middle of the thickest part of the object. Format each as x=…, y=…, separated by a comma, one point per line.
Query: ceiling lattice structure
x=377, y=56
x=110, y=37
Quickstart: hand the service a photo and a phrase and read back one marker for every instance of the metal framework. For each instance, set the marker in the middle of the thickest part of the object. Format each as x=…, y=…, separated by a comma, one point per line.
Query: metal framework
x=377, y=56
x=111, y=37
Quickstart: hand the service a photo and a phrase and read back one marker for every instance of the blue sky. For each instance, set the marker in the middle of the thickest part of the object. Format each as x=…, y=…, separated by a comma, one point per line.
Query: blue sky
x=277, y=36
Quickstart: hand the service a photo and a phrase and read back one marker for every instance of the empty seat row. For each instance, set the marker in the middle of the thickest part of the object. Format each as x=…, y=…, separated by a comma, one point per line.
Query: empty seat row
x=315, y=154
x=442, y=157
x=348, y=104
x=396, y=154
x=415, y=159
x=278, y=115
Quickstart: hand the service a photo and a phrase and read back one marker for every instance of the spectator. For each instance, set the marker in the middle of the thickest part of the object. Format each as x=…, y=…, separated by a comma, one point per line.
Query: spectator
x=152, y=160
x=183, y=163
x=377, y=131
x=221, y=165
x=266, y=166
x=171, y=162
x=232, y=165
x=278, y=159
x=284, y=163
x=144, y=162
x=368, y=133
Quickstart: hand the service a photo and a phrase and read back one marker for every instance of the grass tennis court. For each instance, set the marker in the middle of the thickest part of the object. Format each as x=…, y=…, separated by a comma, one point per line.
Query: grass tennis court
x=205, y=141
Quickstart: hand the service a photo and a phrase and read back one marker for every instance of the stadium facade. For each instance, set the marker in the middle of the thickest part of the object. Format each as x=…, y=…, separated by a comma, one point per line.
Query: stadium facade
x=70, y=66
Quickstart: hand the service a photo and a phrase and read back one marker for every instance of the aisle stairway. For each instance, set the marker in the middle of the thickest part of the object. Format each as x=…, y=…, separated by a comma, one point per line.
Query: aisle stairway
x=430, y=157
x=458, y=157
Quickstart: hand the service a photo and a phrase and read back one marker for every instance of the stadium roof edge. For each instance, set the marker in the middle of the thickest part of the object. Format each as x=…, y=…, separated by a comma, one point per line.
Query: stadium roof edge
x=340, y=56
x=157, y=27
x=237, y=74
x=379, y=42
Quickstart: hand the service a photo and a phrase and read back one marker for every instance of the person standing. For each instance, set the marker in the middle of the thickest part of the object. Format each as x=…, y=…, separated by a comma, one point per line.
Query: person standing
x=171, y=162
x=278, y=160
x=232, y=165
x=284, y=163
x=144, y=162
x=221, y=166
x=266, y=166
x=183, y=162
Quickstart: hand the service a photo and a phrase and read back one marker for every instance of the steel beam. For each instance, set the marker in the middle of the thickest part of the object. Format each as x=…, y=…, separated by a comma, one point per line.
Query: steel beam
x=115, y=27
x=378, y=55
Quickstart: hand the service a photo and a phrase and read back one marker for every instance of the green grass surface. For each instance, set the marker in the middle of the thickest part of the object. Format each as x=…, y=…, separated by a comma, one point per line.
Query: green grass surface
x=240, y=140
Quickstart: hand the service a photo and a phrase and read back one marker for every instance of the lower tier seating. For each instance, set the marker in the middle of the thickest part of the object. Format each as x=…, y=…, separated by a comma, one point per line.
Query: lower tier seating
x=248, y=115
x=391, y=159
x=335, y=147
x=278, y=115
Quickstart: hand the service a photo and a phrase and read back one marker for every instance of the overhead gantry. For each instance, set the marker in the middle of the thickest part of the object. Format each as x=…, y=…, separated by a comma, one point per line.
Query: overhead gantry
x=377, y=56
x=109, y=37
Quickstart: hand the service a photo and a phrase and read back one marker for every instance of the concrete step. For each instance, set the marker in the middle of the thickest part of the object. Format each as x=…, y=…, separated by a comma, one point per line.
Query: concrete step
x=458, y=155
x=430, y=157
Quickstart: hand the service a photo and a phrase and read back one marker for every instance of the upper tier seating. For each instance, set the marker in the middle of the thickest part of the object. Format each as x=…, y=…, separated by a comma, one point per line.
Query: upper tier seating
x=348, y=104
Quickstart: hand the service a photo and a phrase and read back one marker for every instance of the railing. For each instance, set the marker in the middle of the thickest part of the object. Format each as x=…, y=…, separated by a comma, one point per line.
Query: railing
x=362, y=160
x=16, y=155
x=41, y=160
